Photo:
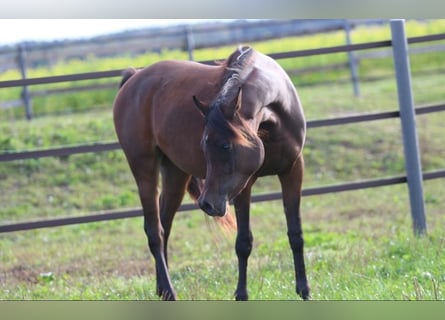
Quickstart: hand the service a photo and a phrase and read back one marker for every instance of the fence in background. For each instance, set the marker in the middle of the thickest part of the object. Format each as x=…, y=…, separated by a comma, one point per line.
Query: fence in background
x=178, y=37
x=186, y=38
x=101, y=147
x=182, y=37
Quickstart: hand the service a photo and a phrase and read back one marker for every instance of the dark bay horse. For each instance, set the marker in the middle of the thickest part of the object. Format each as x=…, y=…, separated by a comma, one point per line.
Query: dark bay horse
x=212, y=130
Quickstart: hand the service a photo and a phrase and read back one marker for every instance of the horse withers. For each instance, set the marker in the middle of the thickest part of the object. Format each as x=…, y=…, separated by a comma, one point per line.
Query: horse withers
x=212, y=130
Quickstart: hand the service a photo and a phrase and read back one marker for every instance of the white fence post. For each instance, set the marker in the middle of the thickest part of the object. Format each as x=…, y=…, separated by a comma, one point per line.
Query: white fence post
x=408, y=121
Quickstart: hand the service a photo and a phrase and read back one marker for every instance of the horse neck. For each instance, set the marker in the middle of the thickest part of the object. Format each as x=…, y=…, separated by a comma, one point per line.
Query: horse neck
x=251, y=119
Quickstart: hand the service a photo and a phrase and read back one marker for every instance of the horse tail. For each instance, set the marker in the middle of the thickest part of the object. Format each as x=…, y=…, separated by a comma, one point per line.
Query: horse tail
x=127, y=74
x=194, y=188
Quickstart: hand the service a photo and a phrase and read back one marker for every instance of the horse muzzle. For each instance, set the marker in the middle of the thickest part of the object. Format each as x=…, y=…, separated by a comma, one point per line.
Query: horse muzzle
x=213, y=209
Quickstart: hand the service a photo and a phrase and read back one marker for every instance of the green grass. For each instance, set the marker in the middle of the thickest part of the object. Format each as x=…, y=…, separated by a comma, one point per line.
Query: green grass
x=359, y=245
x=363, y=251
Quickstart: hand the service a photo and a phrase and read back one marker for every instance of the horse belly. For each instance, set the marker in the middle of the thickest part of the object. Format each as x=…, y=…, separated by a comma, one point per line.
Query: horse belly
x=279, y=156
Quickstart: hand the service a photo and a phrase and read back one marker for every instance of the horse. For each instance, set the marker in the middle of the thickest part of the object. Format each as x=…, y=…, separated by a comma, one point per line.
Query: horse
x=212, y=130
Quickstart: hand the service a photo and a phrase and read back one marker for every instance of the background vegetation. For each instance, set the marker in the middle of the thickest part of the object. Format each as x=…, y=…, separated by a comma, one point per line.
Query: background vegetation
x=359, y=245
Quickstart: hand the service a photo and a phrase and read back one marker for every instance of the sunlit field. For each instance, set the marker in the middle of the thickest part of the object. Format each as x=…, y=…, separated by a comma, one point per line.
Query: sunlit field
x=359, y=244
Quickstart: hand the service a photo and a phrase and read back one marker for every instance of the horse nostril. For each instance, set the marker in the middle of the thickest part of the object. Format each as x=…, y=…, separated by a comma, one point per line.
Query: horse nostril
x=206, y=207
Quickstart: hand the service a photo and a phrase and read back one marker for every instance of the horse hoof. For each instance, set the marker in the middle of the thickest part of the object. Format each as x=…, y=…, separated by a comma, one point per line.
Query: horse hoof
x=304, y=293
x=167, y=295
x=241, y=296
x=170, y=297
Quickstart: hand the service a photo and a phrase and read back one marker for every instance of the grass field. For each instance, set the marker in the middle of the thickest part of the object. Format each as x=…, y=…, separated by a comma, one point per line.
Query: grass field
x=359, y=245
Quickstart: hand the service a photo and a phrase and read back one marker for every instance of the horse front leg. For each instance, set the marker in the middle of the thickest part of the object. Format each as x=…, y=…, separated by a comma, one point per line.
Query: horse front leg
x=146, y=175
x=291, y=184
x=244, y=240
x=164, y=287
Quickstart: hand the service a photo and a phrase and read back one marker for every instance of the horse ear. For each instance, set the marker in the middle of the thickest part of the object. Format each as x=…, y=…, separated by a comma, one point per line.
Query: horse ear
x=233, y=106
x=200, y=106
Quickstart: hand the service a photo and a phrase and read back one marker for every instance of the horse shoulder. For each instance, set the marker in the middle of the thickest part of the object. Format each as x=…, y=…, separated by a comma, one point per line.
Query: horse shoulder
x=279, y=113
x=269, y=87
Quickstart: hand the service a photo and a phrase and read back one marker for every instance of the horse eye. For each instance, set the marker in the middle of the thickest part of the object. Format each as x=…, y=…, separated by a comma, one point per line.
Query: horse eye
x=226, y=146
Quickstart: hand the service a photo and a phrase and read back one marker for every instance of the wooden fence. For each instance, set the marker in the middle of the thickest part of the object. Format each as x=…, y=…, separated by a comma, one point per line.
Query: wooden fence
x=102, y=147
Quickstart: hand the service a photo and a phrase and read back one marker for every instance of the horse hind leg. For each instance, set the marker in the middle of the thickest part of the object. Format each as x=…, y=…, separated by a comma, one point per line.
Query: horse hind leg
x=291, y=183
x=174, y=184
x=194, y=188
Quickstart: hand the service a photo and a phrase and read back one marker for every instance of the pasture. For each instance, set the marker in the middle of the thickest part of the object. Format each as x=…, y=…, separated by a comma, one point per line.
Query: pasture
x=359, y=244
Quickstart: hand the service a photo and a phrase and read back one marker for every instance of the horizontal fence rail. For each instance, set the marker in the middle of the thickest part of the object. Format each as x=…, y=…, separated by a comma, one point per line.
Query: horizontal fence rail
x=122, y=214
x=61, y=78
x=282, y=55
x=132, y=213
x=100, y=147
x=110, y=146
x=60, y=152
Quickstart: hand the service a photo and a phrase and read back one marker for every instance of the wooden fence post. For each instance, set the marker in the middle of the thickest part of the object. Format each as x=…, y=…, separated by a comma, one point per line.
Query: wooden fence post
x=408, y=120
x=21, y=59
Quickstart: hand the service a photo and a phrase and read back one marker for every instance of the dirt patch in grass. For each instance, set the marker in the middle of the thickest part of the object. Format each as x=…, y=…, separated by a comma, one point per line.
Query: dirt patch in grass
x=28, y=275
x=20, y=273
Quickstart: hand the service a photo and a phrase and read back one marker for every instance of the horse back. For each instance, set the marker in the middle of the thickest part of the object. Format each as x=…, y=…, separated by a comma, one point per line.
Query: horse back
x=154, y=112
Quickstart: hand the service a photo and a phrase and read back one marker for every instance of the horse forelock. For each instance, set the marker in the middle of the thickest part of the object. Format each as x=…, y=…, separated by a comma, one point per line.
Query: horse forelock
x=235, y=130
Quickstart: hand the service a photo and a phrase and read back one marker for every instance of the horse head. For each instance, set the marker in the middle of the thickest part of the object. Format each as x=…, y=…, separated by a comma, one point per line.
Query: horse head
x=233, y=152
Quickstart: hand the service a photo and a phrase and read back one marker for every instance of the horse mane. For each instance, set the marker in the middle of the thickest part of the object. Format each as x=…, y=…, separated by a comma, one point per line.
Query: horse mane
x=238, y=67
